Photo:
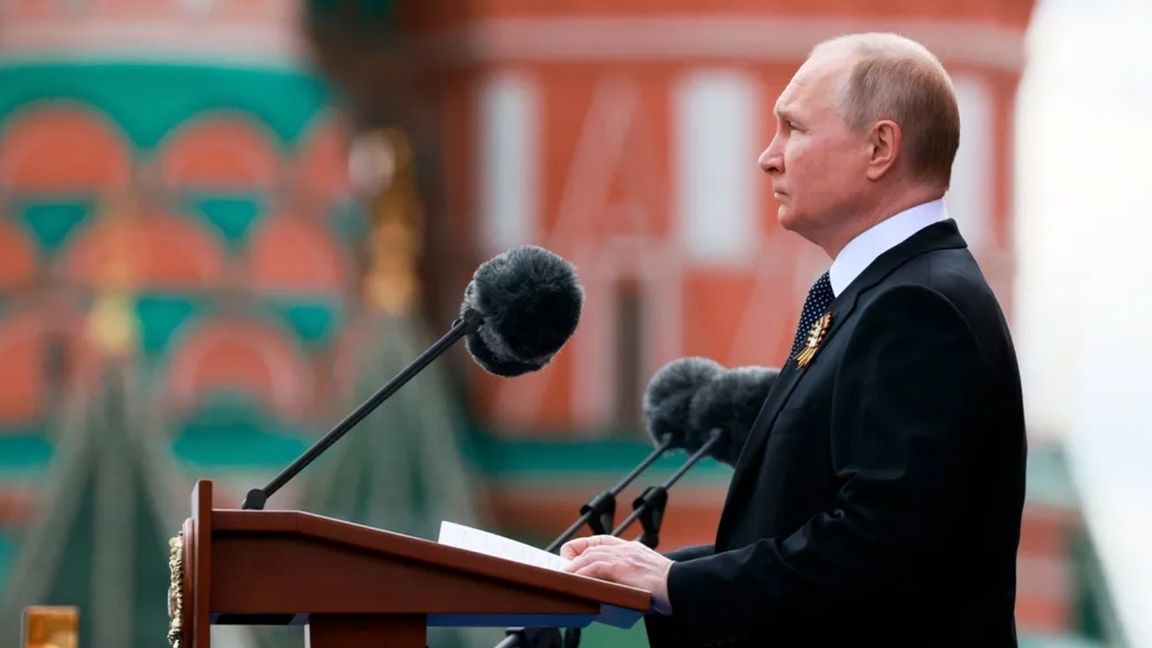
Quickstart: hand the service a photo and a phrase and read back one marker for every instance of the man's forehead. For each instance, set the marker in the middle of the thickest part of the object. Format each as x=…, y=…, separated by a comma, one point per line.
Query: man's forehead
x=785, y=99
x=818, y=77
x=795, y=92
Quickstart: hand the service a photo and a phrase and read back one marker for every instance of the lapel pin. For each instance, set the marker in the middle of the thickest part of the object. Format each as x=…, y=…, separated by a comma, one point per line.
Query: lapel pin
x=815, y=338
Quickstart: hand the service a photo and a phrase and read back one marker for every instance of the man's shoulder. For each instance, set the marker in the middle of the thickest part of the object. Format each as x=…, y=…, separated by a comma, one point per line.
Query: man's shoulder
x=946, y=286
x=953, y=274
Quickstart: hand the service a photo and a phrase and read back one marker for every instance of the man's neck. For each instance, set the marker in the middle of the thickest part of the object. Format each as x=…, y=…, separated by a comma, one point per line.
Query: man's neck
x=883, y=209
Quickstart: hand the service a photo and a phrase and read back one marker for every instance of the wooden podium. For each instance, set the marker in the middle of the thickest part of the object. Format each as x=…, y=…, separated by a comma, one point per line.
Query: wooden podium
x=359, y=587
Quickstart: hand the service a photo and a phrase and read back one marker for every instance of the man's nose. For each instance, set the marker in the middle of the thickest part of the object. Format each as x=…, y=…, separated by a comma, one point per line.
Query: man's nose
x=771, y=162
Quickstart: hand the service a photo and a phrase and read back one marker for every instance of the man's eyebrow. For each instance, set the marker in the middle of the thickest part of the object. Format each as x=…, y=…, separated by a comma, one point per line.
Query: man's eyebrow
x=784, y=114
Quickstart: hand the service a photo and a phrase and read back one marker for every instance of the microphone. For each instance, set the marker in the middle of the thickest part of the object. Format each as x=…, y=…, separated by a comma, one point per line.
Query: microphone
x=518, y=310
x=668, y=398
x=730, y=402
x=531, y=302
x=666, y=402
x=720, y=418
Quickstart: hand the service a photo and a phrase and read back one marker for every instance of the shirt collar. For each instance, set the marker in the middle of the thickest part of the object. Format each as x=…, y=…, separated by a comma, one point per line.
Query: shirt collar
x=881, y=237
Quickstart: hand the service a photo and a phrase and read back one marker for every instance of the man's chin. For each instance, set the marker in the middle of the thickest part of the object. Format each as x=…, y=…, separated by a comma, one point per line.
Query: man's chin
x=786, y=218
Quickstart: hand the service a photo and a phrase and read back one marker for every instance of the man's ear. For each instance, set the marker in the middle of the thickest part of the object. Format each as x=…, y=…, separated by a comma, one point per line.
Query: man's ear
x=883, y=147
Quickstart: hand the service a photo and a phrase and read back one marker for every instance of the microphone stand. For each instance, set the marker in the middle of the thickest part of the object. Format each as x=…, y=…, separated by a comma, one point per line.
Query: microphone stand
x=597, y=513
x=648, y=508
x=464, y=325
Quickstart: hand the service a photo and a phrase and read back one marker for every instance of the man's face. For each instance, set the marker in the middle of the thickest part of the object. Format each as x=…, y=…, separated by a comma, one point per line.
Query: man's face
x=817, y=164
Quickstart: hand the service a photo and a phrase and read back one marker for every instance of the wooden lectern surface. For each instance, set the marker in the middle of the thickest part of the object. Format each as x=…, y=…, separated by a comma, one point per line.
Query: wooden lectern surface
x=348, y=578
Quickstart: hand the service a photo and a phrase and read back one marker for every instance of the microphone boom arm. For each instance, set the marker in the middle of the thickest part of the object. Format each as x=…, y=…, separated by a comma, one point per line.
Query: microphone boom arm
x=649, y=507
x=597, y=512
x=464, y=325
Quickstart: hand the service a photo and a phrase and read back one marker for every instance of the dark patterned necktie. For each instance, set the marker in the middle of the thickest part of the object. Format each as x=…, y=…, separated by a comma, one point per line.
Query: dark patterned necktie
x=819, y=298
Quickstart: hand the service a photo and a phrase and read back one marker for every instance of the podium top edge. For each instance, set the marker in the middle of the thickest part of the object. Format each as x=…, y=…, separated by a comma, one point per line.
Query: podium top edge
x=319, y=527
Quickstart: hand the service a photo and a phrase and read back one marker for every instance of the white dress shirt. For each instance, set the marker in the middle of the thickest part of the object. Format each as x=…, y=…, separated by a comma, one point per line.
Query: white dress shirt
x=881, y=237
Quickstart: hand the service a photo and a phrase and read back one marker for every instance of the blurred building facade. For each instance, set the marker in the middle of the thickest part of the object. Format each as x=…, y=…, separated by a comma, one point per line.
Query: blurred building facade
x=203, y=239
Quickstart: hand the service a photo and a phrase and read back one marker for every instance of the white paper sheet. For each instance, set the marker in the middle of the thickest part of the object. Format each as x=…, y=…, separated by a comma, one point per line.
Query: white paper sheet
x=464, y=537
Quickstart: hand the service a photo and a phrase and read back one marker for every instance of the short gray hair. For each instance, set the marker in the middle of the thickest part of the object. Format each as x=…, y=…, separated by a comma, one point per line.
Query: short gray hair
x=899, y=79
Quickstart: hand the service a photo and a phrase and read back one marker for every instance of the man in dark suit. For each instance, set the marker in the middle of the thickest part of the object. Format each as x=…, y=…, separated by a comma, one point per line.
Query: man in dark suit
x=878, y=498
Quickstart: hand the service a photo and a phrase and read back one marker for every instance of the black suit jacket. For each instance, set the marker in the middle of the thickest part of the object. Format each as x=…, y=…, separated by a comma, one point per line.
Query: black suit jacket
x=878, y=498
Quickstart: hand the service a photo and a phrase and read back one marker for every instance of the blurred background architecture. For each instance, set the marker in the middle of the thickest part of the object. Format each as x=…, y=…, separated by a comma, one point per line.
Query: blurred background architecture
x=224, y=223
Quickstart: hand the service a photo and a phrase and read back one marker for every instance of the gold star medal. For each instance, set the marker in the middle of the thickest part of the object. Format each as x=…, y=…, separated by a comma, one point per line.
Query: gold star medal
x=815, y=337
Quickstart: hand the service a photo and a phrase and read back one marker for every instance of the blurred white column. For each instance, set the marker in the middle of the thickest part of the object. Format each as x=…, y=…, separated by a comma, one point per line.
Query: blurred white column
x=717, y=115
x=506, y=161
x=1085, y=299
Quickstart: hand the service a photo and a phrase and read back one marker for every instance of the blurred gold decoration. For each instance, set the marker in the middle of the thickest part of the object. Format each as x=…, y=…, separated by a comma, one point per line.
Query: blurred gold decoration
x=112, y=324
x=176, y=590
x=382, y=165
x=50, y=627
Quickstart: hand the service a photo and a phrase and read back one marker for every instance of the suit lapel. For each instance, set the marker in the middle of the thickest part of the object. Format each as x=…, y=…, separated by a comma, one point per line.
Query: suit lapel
x=778, y=396
x=943, y=235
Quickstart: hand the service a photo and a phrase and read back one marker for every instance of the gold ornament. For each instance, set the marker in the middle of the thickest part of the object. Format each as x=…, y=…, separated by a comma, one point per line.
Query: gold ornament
x=815, y=338
x=176, y=590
